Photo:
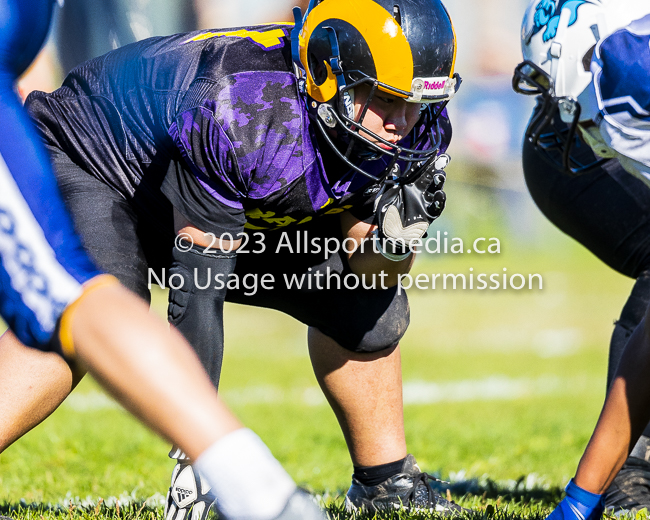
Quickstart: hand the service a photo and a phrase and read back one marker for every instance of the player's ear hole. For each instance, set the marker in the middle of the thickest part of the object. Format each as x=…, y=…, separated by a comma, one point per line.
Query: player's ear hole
x=318, y=70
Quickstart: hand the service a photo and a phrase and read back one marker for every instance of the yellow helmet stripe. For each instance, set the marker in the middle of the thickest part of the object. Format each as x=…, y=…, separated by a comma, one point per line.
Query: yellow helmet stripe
x=388, y=45
x=453, y=60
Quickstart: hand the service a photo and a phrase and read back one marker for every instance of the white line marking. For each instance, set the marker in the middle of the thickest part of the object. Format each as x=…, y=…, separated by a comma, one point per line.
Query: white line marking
x=492, y=388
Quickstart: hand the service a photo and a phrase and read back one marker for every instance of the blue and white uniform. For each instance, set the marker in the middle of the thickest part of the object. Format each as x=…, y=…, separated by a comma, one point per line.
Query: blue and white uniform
x=42, y=262
x=621, y=72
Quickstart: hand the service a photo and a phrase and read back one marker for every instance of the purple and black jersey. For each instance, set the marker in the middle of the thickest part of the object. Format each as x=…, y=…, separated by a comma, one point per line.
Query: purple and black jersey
x=211, y=119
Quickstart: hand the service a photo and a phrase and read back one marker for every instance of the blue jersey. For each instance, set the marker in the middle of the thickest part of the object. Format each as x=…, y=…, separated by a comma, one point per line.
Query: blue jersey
x=621, y=69
x=42, y=263
x=212, y=121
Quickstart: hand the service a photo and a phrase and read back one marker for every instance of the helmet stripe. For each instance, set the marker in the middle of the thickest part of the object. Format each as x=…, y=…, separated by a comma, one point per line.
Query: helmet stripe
x=388, y=45
x=453, y=60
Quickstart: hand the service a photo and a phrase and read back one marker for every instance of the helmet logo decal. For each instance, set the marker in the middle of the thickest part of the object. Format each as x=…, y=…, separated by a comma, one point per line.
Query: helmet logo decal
x=547, y=16
x=434, y=85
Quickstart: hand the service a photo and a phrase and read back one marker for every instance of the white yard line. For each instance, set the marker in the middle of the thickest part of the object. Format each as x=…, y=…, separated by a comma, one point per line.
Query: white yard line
x=492, y=388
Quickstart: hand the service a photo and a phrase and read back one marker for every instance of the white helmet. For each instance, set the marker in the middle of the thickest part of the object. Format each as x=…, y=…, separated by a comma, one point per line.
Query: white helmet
x=558, y=38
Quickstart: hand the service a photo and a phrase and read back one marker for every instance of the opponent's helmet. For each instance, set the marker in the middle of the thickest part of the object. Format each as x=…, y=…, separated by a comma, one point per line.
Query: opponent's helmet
x=558, y=38
x=402, y=47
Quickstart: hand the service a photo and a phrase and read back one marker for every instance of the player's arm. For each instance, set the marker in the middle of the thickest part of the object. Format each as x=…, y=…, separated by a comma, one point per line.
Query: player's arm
x=624, y=415
x=367, y=260
x=199, y=238
x=622, y=420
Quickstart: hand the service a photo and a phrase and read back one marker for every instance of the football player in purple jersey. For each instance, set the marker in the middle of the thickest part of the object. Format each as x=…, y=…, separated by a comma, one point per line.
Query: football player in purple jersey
x=588, y=133
x=62, y=308
x=333, y=128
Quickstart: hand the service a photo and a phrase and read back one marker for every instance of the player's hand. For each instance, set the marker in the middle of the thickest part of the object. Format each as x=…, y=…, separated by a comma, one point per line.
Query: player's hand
x=405, y=209
x=579, y=504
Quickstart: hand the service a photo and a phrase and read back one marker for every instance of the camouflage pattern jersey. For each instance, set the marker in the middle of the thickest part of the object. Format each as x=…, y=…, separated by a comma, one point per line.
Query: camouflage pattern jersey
x=211, y=119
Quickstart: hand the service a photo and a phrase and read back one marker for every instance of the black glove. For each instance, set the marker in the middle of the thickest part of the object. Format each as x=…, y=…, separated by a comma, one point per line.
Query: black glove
x=406, y=206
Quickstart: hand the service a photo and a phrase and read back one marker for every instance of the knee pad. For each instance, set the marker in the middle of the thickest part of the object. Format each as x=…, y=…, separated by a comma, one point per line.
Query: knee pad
x=389, y=329
x=196, y=297
x=385, y=333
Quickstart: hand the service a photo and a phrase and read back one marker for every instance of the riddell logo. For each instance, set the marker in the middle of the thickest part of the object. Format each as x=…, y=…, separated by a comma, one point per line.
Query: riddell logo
x=436, y=85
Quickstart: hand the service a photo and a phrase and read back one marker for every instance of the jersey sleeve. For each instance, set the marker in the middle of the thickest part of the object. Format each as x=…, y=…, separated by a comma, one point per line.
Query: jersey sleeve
x=204, y=184
x=621, y=70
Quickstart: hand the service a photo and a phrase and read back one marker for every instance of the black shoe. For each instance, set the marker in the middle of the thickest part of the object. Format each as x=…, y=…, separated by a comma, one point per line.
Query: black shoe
x=189, y=497
x=630, y=490
x=409, y=489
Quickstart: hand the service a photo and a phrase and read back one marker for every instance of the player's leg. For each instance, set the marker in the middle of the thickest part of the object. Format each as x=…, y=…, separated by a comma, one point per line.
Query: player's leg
x=95, y=208
x=365, y=392
x=363, y=383
x=353, y=338
x=353, y=341
x=198, y=315
x=196, y=310
x=121, y=343
x=608, y=211
x=32, y=386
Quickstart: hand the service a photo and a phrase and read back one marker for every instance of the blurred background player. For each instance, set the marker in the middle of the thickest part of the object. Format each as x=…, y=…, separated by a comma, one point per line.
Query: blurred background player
x=588, y=133
x=55, y=300
x=366, y=120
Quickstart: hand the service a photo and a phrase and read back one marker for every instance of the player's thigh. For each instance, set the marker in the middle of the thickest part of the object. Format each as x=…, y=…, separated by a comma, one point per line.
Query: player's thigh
x=106, y=223
x=606, y=210
x=321, y=291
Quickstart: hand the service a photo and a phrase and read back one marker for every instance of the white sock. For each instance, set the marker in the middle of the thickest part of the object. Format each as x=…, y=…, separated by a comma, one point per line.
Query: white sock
x=247, y=480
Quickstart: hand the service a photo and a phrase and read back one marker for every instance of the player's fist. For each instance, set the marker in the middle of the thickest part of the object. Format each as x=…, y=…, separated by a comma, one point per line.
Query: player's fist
x=406, y=207
x=579, y=504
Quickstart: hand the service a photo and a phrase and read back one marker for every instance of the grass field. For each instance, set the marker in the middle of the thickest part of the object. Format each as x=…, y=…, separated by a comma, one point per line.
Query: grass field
x=502, y=389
